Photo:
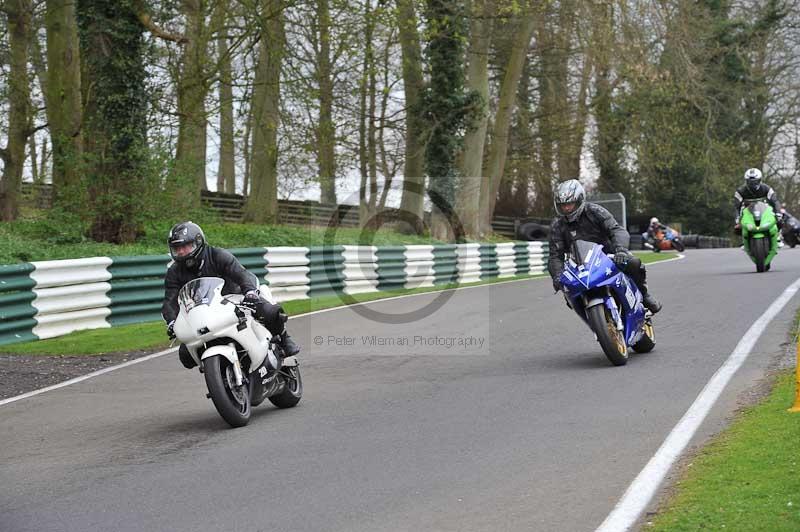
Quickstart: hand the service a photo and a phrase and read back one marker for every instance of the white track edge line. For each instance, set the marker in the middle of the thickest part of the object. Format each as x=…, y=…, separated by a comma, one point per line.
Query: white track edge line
x=85, y=377
x=640, y=492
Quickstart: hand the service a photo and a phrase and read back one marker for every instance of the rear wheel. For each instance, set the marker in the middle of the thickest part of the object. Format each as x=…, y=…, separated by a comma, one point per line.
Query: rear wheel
x=231, y=401
x=611, y=340
x=648, y=340
x=758, y=247
x=293, y=389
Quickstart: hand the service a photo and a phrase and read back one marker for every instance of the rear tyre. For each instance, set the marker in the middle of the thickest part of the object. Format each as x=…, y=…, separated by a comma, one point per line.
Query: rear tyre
x=292, y=391
x=648, y=340
x=758, y=247
x=231, y=401
x=611, y=340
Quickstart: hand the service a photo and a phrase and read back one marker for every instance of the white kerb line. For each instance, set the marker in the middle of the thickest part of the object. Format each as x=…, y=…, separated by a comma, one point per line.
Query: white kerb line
x=87, y=376
x=644, y=486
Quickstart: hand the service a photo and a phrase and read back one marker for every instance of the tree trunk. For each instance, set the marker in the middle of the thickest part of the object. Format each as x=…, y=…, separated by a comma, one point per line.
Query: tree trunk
x=190, y=154
x=262, y=204
x=19, y=13
x=505, y=109
x=63, y=100
x=326, y=131
x=115, y=129
x=413, y=196
x=226, y=172
x=365, y=215
x=469, y=194
x=248, y=136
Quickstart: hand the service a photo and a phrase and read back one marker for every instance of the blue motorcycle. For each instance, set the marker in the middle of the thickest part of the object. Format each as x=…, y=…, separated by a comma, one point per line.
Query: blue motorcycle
x=608, y=301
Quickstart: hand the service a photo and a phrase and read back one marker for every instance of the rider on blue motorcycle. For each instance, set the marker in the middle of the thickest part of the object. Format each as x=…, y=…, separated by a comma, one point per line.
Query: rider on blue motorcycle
x=580, y=220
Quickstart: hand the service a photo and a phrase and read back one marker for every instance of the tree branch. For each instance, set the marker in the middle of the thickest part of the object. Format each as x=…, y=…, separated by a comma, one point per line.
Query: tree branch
x=147, y=21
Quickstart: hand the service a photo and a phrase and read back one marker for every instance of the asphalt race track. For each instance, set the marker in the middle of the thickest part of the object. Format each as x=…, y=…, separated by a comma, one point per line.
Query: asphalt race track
x=498, y=411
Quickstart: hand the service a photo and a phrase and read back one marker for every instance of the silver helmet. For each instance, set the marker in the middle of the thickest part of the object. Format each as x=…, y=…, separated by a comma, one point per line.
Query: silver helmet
x=570, y=199
x=752, y=178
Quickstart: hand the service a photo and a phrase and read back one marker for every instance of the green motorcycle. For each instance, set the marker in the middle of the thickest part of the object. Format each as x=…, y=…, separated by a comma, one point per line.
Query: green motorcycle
x=759, y=233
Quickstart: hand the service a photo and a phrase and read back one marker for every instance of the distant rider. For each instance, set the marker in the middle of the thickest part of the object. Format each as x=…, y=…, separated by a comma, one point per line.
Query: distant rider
x=192, y=258
x=754, y=189
x=652, y=230
x=580, y=220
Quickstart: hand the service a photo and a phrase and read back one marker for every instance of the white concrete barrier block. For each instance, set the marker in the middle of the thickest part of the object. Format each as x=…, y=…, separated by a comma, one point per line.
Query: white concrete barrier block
x=71, y=271
x=70, y=298
x=52, y=325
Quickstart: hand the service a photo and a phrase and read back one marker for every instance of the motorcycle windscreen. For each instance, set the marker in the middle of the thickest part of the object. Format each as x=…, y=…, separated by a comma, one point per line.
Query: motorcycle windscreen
x=198, y=292
x=581, y=250
x=757, y=208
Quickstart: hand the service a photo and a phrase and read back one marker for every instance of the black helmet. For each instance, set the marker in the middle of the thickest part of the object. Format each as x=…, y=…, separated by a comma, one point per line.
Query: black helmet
x=752, y=178
x=570, y=192
x=182, y=235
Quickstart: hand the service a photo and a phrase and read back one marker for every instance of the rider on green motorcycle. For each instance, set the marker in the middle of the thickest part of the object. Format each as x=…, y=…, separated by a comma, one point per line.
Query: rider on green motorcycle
x=754, y=189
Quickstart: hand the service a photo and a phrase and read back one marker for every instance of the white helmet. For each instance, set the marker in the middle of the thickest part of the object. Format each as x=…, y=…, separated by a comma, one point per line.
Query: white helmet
x=653, y=220
x=570, y=192
x=752, y=178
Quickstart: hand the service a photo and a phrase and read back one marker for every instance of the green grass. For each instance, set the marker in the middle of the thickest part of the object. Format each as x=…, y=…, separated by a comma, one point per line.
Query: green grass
x=649, y=256
x=39, y=238
x=748, y=478
x=152, y=336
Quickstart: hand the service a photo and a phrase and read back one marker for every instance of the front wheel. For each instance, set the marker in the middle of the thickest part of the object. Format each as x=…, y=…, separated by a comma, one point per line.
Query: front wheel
x=231, y=401
x=292, y=390
x=759, y=249
x=611, y=340
x=678, y=245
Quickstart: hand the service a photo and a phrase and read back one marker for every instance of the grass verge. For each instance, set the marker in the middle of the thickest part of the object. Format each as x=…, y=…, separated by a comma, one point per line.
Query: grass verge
x=39, y=237
x=748, y=478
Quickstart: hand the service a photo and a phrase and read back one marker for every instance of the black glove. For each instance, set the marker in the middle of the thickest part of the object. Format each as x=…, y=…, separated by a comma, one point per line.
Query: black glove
x=621, y=257
x=556, y=284
x=171, y=330
x=251, y=300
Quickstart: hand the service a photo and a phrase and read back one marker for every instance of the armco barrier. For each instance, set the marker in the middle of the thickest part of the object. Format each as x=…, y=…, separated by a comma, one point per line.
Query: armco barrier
x=41, y=300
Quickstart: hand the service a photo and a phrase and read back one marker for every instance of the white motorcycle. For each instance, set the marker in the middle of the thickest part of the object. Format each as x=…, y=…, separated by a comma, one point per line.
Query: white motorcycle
x=241, y=362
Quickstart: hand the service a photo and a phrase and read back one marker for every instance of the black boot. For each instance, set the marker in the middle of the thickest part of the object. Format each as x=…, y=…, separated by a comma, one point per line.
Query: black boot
x=290, y=348
x=650, y=303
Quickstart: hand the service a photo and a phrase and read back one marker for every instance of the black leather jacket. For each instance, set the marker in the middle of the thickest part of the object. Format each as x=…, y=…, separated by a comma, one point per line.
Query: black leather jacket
x=764, y=192
x=214, y=262
x=595, y=224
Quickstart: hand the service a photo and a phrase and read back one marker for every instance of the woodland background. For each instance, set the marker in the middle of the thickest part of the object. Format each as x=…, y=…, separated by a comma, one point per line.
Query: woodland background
x=468, y=108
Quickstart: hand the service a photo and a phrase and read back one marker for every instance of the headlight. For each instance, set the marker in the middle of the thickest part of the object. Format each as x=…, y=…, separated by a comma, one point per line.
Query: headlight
x=766, y=226
x=751, y=227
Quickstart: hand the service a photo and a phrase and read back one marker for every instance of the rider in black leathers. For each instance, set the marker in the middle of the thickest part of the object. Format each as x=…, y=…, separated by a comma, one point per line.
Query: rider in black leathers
x=754, y=189
x=193, y=258
x=580, y=220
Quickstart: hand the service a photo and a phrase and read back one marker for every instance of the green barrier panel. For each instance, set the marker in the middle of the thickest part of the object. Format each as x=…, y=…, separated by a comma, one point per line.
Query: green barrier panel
x=521, y=262
x=488, y=257
x=137, y=288
x=252, y=259
x=138, y=267
x=391, y=268
x=326, y=266
x=16, y=277
x=19, y=330
x=16, y=311
x=17, y=305
x=445, y=264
